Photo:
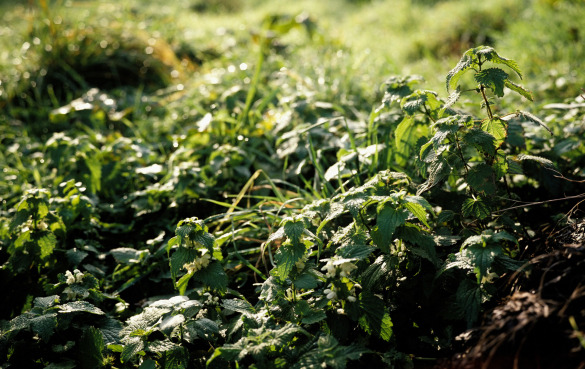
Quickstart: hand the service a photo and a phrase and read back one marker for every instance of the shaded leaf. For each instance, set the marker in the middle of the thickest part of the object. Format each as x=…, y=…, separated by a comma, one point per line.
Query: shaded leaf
x=493, y=78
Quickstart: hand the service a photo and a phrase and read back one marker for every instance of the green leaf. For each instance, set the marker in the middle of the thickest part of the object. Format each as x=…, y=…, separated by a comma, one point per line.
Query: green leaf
x=468, y=298
x=482, y=179
x=438, y=170
x=91, y=346
x=355, y=251
x=238, y=305
x=203, y=328
x=286, y=257
x=126, y=255
x=545, y=162
x=497, y=128
x=387, y=221
x=491, y=55
x=212, y=276
x=306, y=280
x=414, y=102
x=482, y=140
x=375, y=319
x=132, y=347
x=519, y=90
x=482, y=257
x=47, y=243
x=80, y=306
x=466, y=62
x=177, y=358
x=493, y=78
x=418, y=211
x=44, y=325
x=475, y=207
x=180, y=257
x=293, y=229
x=378, y=273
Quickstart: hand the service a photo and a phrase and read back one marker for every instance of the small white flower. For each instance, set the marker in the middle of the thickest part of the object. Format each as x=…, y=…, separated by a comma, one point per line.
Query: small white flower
x=331, y=292
x=346, y=269
x=78, y=276
x=70, y=277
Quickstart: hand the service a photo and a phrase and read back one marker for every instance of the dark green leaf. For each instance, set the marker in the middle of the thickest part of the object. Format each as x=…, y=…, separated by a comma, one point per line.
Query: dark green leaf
x=180, y=257
x=482, y=140
x=90, y=349
x=468, y=298
x=475, y=207
x=389, y=218
x=212, y=276
x=493, y=78
x=44, y=325
x=482, y=179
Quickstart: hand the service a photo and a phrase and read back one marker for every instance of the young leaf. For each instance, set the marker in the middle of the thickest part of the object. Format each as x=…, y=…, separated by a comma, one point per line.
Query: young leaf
x=491, y=55
x=467, y=61
x=286, y=257
x=493, y=78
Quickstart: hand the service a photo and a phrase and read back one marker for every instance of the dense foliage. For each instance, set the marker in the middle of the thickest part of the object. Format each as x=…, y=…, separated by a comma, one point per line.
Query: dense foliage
x=222, y=208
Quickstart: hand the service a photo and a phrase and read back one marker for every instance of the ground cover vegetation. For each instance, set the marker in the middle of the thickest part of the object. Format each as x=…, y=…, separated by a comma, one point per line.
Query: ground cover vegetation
x=231, y=184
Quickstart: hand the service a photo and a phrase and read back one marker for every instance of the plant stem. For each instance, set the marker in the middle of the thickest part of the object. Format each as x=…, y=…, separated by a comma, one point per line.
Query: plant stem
x=487, y=104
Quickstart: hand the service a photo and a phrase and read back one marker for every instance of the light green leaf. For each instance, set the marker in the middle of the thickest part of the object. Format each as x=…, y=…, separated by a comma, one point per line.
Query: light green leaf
x=47, y=243
x=418, y=211
x=497, y=128
x=80, y=306
x=519, y=90
x=466, y=62
x=132, y=347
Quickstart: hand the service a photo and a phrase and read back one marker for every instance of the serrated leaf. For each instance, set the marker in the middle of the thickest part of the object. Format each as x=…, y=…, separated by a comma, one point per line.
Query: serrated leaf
x=493, y=78
x=468, y=298
x=44, y=325
x=91, y=346
x=387, y=221
x=132, y=347
x=306, y=280
x=519, y=90
x=491, y=55
x=213, y=276
x=375, y=319
x=293, y=229
x=418, y=211
x=438, y=170
x=126, y=255
x=475, y=207
x=482, y=140
x=46, y=302
x=497, y=128
x=47, y=244
x=451, y=100
x=464, y=64
x=355, y=251
x=111, y=330
x=238, y=305
x=286, y=257
x=377, y=274
x=180, y=257
x=546, y=162
x=176, y=358
x=204, y=328
x=482, y=179
x=482, y=257
x=204, y=239
x=80, y=306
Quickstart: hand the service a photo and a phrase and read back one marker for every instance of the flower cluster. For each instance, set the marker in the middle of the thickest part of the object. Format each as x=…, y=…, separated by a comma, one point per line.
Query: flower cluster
x=75, y=277
x=199, y=263
x=345, y=267
x=333, y=291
